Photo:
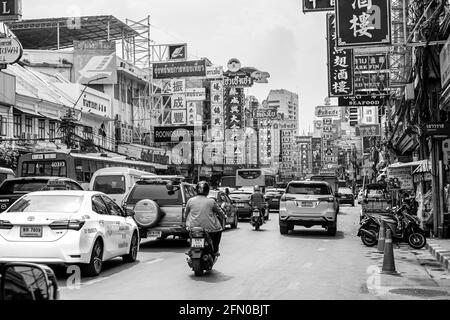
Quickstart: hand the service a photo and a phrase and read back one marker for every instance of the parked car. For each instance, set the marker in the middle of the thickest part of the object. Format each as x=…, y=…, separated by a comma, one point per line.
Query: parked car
x=241, y=200
x=227, y=205
x=159, y=205
x=13, y=189
x=27, y=281
x=346, y=196
x=273, y=197
x=308, y=204
x=68, y=227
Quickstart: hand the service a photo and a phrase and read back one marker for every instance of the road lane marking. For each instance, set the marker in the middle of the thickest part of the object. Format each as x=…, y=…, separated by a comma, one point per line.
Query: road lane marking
x=154, y=261
x=94, y=281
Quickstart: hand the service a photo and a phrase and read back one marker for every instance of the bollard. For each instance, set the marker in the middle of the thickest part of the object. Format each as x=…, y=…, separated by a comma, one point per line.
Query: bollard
x=388, y=259
x=381, y=237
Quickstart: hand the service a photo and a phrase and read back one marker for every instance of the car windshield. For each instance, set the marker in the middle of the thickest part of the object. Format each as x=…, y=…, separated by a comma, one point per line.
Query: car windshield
x=114, y=184
x=157, y=193
x=10, y=187
x=308, y=189
x=48, y=204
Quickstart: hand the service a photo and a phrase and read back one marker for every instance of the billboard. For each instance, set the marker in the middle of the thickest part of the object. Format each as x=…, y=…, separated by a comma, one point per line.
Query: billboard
x=177, y=51
x=317, y=155
x=318, y=5
x=179, y=69
x=173, y=134
x=333, y=112
x=234, y=99
x=10, y=10
x=372, y=82
x=95, y=60
x=361, y=101
x=368, y=130
x=340, y=64
x=363, y=23
x=373, y=62
x=270, y=113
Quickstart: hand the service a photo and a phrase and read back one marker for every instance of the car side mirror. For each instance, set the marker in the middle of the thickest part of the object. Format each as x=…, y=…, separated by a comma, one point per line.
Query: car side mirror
x=170, y=187
x=28, y=282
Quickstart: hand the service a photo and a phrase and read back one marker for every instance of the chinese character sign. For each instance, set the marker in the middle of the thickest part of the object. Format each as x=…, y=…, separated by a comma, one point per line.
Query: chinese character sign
x=363, y=22
x=318, y=5
x=340, y=64
x=217, y=111
x=234, y=99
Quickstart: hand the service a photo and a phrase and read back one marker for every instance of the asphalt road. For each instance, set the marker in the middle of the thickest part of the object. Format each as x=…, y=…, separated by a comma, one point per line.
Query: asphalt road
x=306, y=264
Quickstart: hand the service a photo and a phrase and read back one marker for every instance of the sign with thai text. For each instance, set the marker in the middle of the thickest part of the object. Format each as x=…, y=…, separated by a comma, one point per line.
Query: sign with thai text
x=179, y=69
x=361, y=101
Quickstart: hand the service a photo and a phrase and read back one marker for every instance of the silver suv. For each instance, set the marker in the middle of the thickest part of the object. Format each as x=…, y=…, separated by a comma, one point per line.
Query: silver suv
x=307, y=204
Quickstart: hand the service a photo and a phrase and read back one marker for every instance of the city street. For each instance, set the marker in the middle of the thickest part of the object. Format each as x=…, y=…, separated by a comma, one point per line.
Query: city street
x=306, y=264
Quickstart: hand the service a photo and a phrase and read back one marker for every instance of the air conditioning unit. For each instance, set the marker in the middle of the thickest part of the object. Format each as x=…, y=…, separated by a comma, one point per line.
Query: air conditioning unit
x=123, y=65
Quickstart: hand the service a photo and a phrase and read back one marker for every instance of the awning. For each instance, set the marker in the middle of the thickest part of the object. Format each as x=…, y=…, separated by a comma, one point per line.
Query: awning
x=36, y=114
x=424, y=167
x=405, y=165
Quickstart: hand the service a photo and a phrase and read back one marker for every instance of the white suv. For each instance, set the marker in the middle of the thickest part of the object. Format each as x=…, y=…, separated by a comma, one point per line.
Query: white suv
x=307, y=204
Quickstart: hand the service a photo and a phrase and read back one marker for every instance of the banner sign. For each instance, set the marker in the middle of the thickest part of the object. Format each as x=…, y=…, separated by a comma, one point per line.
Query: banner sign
x=369, y=82
x=179, y=69
x=340, y=64
x=214, y=72
x=10, y=51
x=363, y=23
x=353, y=117
x=178, y=86
x=375, y=62
x=234, y=108
x=237, y=79
x=93, y=60
x=361, y=101
x=173, y=134
x=317, y=154
x=194, y=113
x=437, y=129
x=196, y=94
x=271, y=113
x=444, y=58
x=318, y=5
x=177, y=51
x=10, y=10
x=369, y=130
x=329, y=112
x=404, y=177
x=179, y=117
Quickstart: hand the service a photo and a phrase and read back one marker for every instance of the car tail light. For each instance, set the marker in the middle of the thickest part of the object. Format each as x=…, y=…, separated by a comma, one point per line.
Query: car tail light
x=328, y=199
x=284, y=199
x=68, y=225
x=5, y=225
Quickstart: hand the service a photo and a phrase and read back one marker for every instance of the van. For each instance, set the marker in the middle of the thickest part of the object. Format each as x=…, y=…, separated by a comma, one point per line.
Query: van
x=6, y=173
x=116, y=181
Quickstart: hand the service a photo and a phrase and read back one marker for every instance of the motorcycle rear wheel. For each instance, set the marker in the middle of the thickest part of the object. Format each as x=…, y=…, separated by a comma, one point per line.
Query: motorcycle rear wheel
x=369, y=241
x=197, y=267
x=417, y=240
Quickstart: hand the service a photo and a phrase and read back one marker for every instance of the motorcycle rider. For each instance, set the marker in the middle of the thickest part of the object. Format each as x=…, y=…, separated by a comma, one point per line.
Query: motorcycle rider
x=257, y=200
x=204, y=212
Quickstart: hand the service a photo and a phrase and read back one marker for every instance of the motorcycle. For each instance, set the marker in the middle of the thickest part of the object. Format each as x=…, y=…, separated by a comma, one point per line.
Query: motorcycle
x=404, y=227
x=257, y=220
x=201, y=255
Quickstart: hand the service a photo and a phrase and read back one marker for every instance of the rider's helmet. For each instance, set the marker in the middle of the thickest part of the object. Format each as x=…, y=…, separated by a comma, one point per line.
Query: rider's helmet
x=202, y=188
x=257, y=189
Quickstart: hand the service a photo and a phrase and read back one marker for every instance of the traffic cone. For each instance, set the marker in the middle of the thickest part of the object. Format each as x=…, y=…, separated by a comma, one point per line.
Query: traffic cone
x=388, y=259
x=381, y=237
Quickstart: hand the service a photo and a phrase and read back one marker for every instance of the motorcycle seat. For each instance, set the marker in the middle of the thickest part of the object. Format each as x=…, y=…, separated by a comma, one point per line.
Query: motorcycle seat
x=389, y=220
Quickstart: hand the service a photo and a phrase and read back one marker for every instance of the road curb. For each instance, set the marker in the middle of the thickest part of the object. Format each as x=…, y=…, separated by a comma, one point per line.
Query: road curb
x=440, y=254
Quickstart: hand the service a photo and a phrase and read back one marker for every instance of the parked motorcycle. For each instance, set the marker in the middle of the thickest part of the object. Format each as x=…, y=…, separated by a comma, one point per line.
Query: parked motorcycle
x=201, y=255
x=404, y=227
x=257, y=219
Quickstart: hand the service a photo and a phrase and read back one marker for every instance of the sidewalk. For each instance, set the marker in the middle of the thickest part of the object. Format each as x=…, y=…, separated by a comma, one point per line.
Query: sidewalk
x=440, y=249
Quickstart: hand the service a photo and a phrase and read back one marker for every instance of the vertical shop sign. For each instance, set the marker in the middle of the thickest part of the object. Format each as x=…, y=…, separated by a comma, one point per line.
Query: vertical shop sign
x=340, y=64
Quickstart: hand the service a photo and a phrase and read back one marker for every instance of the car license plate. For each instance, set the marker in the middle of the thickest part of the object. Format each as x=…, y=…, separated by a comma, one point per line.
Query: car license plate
x=198, y=243
x=31, y=232
x=154, y=234
x=240, y=205
x=304, y=204
x=256, y=213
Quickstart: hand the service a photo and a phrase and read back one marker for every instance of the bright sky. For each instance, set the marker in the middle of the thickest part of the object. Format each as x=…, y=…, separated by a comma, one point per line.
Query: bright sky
x=273, y=36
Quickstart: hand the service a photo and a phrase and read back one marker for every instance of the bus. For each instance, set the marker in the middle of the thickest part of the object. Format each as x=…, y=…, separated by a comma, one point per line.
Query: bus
x=77, y=166
x=255, y=177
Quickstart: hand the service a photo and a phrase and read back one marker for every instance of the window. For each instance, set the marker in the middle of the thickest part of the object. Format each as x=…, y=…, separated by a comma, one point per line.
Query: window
x=110, y=184
x=113, y=208
x=74, y=186
x=99, y=206
x=308, y=189
x=48, y=204
x=369, y=119
x=17, y=124
x=52, y=131
x=54, y=169
x=4, y=126
x=41, y=128
x=29, y=125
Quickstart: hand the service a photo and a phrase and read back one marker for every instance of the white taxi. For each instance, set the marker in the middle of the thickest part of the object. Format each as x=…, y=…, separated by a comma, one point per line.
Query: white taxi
x=68, y=227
